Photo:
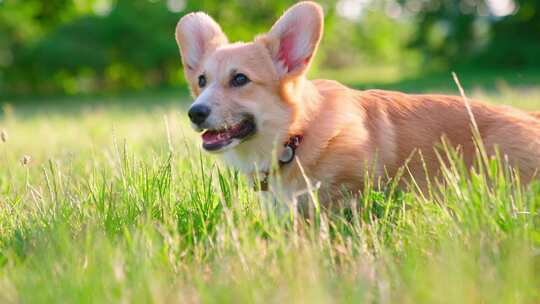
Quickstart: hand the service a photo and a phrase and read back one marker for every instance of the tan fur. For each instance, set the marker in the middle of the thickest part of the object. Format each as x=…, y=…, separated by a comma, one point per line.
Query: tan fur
x=347, y=133
x=535, y=114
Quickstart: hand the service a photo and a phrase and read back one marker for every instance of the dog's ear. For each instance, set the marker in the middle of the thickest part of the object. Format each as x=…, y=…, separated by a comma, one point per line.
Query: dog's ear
x=294, y=38
x=196, y=34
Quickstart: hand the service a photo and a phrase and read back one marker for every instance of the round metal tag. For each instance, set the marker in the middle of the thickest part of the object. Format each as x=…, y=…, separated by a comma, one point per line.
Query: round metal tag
x=287, y=155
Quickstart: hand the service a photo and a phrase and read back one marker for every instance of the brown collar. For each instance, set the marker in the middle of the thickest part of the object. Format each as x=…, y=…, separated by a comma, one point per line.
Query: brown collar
x=286, y=156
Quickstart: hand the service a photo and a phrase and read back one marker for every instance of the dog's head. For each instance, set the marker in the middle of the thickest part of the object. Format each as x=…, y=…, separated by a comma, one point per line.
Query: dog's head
x=238, y=87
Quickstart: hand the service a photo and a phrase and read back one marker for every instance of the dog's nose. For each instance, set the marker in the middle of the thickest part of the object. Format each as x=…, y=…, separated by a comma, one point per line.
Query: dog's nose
x=198, y=114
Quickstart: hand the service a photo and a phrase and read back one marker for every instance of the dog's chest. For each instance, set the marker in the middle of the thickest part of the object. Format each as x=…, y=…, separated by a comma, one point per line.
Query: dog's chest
x=247, y=163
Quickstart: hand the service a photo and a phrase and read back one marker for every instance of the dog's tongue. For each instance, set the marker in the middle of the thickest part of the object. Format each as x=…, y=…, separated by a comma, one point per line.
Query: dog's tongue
x=213, y=137
x=214, y=140
x=217, y=136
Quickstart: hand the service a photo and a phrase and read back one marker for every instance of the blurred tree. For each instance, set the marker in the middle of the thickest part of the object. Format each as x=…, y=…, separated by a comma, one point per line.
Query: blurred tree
x=516, y=39
x=489, y=32
x=131, y=46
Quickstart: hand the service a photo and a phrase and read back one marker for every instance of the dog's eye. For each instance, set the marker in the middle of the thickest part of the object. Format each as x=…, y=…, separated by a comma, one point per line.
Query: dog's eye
x=202, y=81
x=239, y=80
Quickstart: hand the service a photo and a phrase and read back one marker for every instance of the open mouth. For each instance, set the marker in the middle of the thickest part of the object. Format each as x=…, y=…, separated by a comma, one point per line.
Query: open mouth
x=214, y=140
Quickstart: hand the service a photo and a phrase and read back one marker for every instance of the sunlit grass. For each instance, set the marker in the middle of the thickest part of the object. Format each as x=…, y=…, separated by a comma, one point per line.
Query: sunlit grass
x=117, y=203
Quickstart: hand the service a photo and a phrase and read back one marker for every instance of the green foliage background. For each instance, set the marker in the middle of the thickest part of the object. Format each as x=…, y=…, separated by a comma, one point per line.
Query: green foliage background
x=80, y=46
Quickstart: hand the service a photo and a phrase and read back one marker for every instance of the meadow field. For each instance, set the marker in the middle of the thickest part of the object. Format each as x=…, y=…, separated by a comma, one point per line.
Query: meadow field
x=109, y=199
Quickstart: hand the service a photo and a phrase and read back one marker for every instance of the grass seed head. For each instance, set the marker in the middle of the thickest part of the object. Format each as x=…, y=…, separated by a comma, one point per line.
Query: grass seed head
x=3, y=136
x=26, y=160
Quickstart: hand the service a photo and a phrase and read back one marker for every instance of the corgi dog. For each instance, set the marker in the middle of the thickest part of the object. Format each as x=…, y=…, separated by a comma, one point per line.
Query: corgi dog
x=254, y=106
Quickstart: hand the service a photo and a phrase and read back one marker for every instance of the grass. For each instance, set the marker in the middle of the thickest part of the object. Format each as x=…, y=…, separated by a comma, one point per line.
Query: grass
x=115, y=203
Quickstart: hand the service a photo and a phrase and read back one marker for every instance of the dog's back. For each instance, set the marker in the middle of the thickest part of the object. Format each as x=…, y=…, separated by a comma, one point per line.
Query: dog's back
x=400, y=129
x=420, y=122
